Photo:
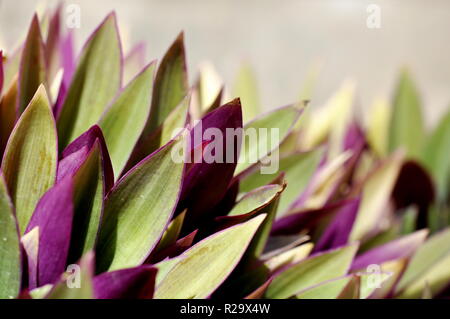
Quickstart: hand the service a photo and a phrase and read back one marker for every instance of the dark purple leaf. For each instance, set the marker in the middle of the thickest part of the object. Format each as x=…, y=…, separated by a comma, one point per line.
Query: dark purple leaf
x=338, y=231
x=76, y=153
x=414, y=186
x=293, y=224
x=130, y=283
x=205, y=184
x=53, y=216
x=174, y=250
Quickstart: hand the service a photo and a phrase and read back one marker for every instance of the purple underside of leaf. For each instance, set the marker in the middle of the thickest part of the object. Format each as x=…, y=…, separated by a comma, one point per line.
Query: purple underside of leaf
x=205, y=184
x=338, y=232
x=294, y=223
x=76, y=152
x=176, y=249
x=130, y=283
x=53, y=216
x=414, y=186
x=402, y=247
x=259, y=292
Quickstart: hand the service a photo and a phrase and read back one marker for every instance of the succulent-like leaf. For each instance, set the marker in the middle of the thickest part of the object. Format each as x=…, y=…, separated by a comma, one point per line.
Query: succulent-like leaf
x=10, y=257
x=32, y=72
x=435, y=156
x=375, y=196
x=299, y=169
x=270, y=130
x=95, y=83
x=245, y=87
x=81, y=286
x=406, y=126
x=171, y=85
x=207, y=264
x=434, y=252
x=326, y=290
x=255, y=199
x=11, y=67
x=123, y=122
x=30, y=159
x=53, y=217
x=130, y=283
x=138, y=209
x=311, y=271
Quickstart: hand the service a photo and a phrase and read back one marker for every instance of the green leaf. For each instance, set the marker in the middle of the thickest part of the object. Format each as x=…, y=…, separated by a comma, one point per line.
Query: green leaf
x=245, y=88
x=138, y=209
x=435, y=156
x=89, y=189
x=30, y=159
x=207, y=264
x=171, y=85
x=11, y=68
x=10, y=257
x=32, y=72
x=406, y=126
x=124, y=120
x=63, y=290
x=164, y=267
x=327, y=290
x=172, y=232
x=255, y=199
x=264, y=135
x=299, y=169
x=311, y=272
x=376, y=193
x=429, y=258
x=94, y=84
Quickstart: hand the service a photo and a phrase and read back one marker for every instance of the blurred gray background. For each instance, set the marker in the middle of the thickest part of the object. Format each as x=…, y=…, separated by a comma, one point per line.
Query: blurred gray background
x=282, y=40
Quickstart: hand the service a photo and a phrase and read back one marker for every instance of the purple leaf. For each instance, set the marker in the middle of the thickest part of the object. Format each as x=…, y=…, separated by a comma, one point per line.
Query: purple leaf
x=130, y=283
x=414, y=186
x=338, y=231
x=53, y=215
x=294, y=223
x=205, y=184
x=76, y=153
x=402, y=247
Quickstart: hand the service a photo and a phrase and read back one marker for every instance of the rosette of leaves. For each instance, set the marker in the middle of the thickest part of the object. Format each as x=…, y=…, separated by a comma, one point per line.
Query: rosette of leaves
x=92, y=204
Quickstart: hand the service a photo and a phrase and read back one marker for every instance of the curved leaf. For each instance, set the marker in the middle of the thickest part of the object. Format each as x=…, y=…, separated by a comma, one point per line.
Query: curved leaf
x=30, y=158
x=311, y=271
x=138, y=209
x=32, y=72
x=123, y=122
x=94, y=84
x=207, y=264
x=10, y=257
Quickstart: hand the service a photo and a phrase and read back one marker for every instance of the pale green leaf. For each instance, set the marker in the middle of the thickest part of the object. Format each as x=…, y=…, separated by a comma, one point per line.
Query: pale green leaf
x=326, y=290
x=311, y=272
x=255, y=199
x=32, y=71
x=245, y=88
x=434, y=251
x=138, y=209
x=10, y=258
x=264, y=135
x=94, y=84
x=124, y=120
x=208, y=263
x=435, y=155
x=299, y=169
x=30, y=159
x=406, y=125
x=170, y=87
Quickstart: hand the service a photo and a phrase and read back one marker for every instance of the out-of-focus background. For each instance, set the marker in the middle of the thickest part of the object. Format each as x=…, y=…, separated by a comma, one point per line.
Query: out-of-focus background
x=282, y=40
